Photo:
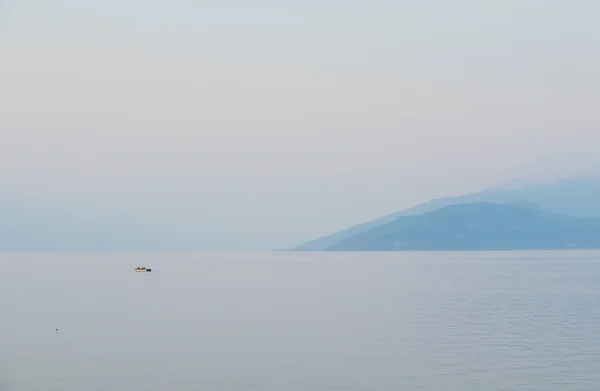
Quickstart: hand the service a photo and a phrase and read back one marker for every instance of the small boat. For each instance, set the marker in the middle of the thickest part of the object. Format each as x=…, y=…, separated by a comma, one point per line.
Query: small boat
x=142, y=270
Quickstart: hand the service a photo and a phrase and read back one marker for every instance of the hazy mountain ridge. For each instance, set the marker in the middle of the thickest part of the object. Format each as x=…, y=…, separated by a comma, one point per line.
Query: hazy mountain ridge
x=479, y=226
x=579, y=197
x=39, y=224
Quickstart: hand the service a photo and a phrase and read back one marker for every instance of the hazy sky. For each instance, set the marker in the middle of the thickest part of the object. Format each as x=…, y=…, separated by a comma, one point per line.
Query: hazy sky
x=267, y=123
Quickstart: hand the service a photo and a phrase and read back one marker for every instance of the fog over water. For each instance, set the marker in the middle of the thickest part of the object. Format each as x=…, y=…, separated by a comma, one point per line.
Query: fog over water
x=259, y=127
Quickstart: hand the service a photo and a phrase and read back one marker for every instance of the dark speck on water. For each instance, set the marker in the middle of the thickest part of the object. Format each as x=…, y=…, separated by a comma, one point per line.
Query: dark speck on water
x=303, y=322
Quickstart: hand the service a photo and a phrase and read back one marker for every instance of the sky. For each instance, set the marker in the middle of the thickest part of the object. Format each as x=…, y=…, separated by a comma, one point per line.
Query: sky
x=259, y=125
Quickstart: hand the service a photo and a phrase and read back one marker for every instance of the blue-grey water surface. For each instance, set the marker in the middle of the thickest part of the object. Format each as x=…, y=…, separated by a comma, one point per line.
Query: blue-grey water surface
x=312, y=321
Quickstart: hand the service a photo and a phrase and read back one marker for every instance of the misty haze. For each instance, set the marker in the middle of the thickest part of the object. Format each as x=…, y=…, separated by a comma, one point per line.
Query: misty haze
x=316, y=195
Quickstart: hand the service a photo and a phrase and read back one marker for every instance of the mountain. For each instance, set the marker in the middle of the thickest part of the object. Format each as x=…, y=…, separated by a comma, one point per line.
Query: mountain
x=579, y=197
x=479, y=226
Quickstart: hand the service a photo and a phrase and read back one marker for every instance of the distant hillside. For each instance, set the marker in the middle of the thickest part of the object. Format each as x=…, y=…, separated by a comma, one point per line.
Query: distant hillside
x=575, y=197
x=479, y=226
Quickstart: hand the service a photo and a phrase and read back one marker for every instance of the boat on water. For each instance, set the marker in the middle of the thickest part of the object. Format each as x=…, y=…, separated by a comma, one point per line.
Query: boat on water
x=142, y=270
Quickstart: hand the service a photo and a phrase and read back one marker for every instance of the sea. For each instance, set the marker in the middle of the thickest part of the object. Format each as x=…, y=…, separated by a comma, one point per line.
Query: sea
x=431, y=321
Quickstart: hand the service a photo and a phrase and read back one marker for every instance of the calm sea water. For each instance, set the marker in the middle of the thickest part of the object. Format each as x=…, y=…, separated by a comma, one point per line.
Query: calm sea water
x=284, y=321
